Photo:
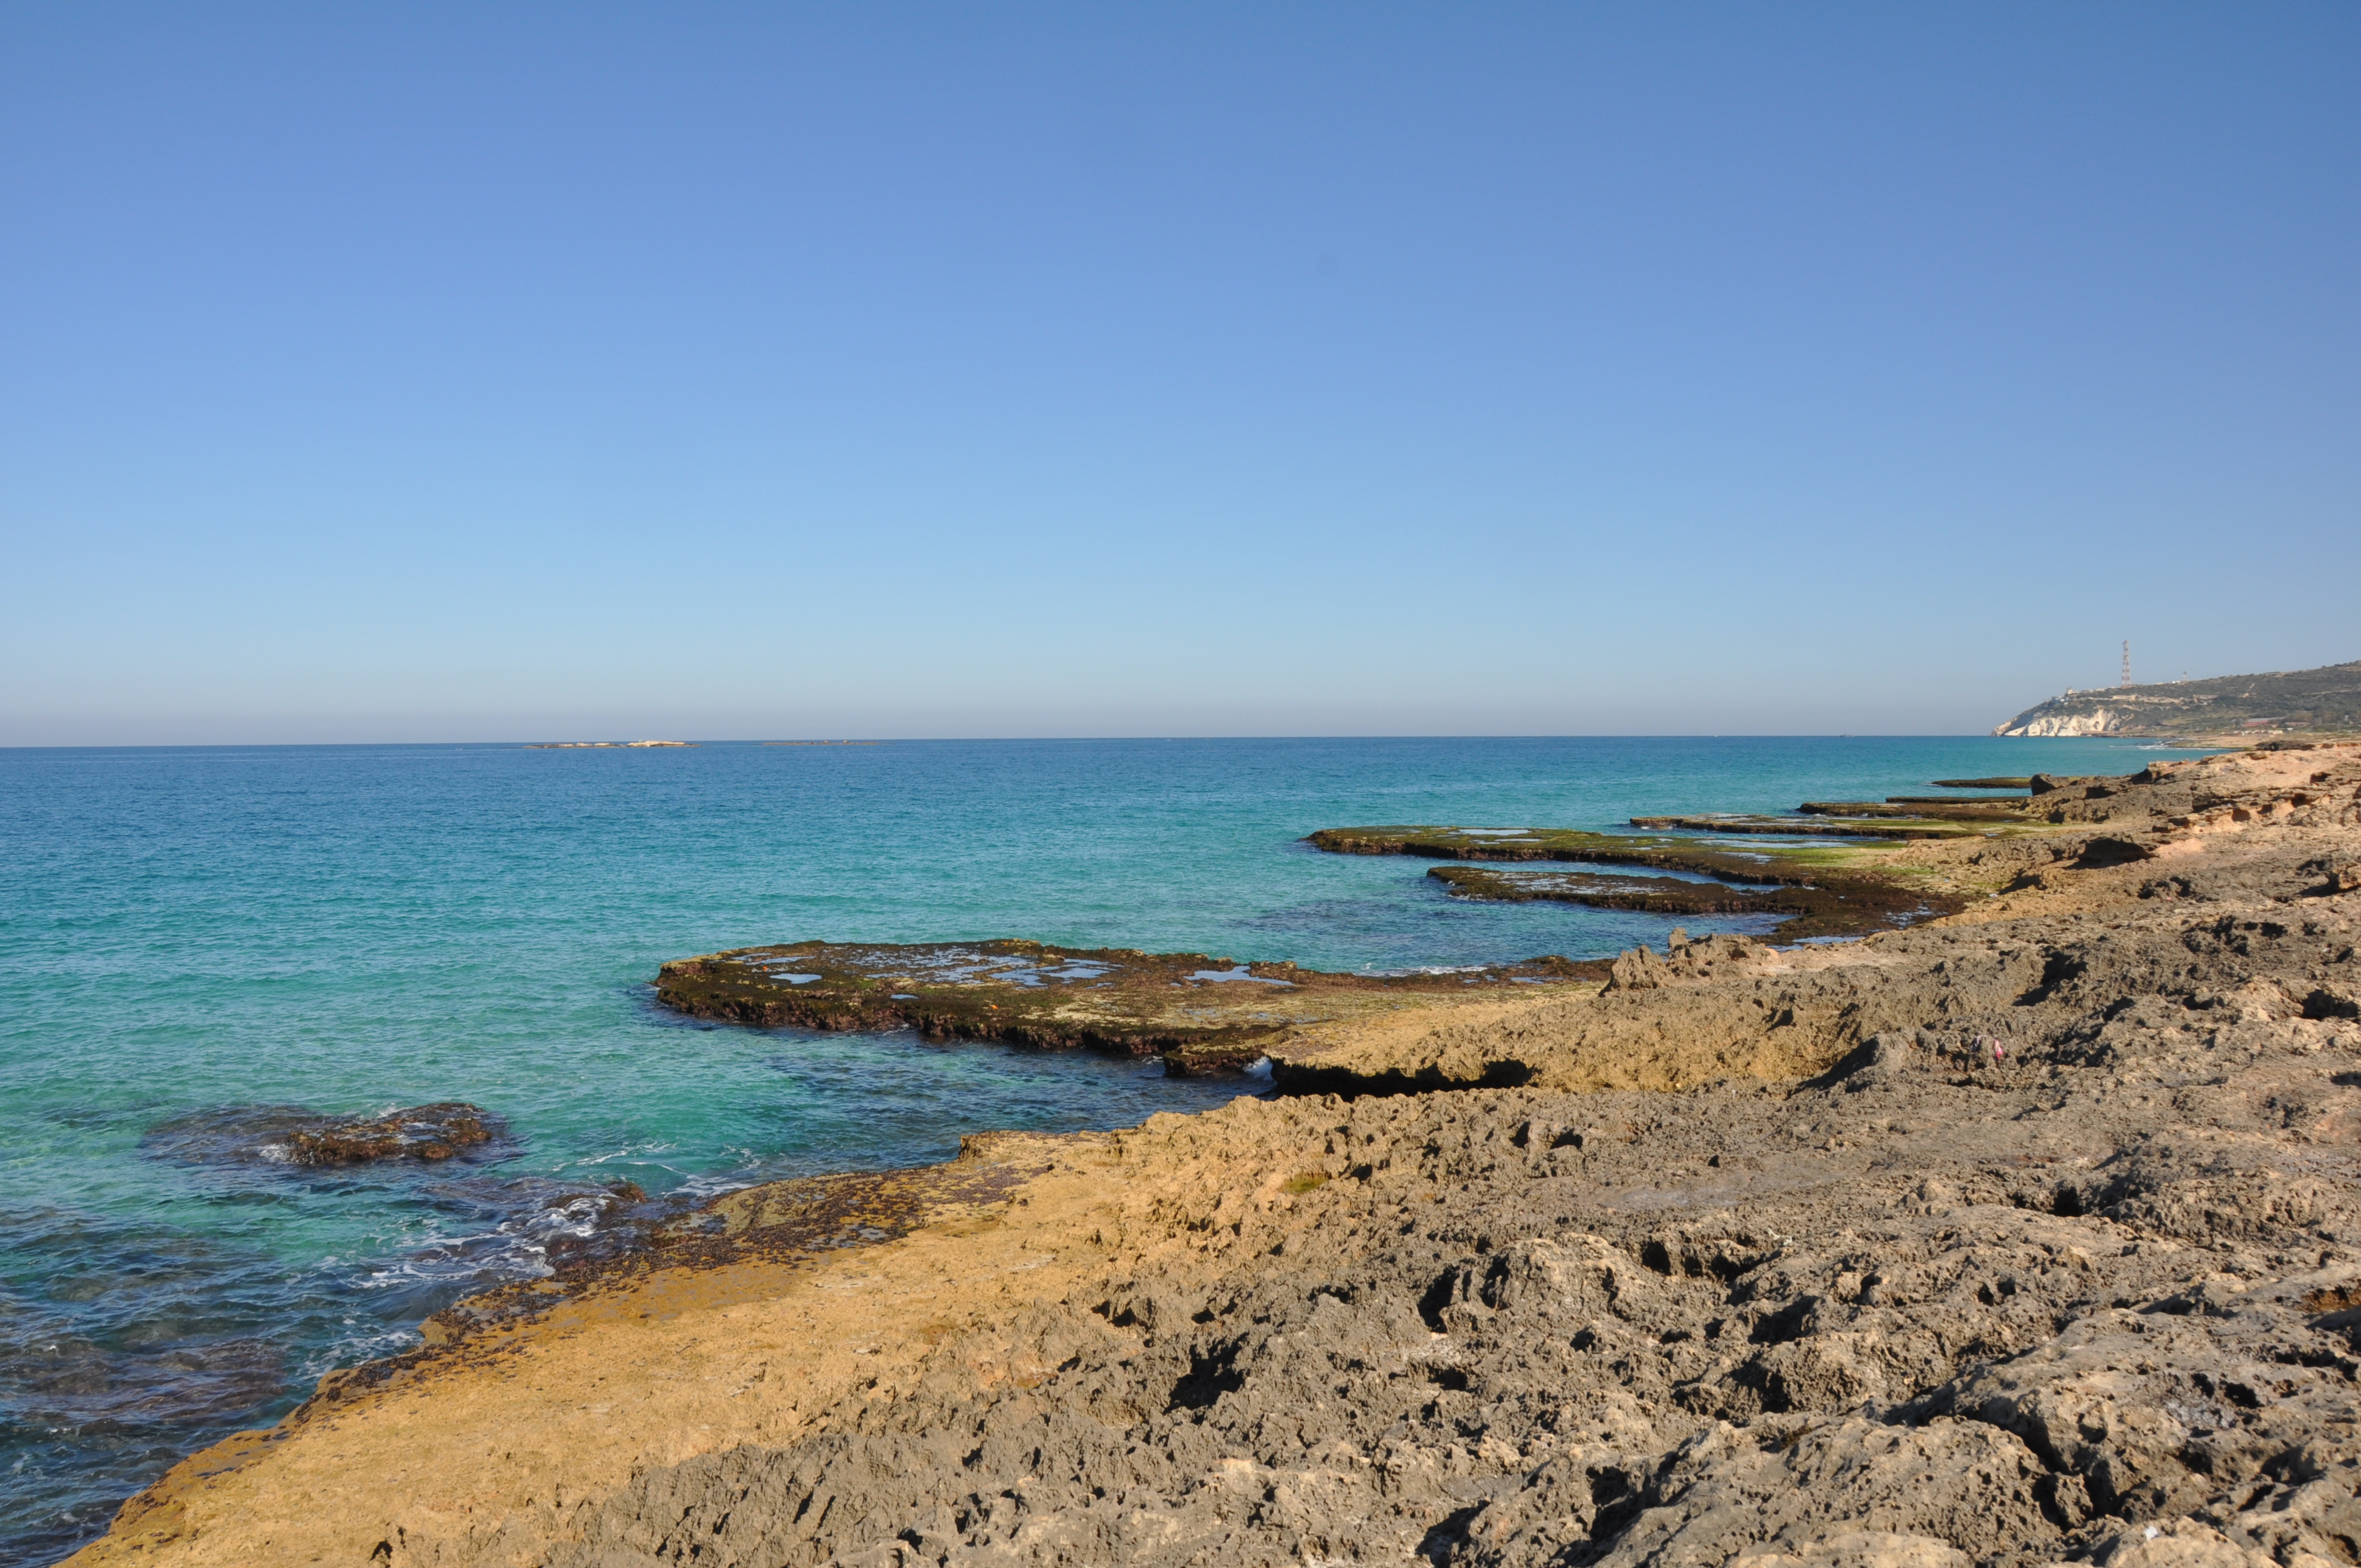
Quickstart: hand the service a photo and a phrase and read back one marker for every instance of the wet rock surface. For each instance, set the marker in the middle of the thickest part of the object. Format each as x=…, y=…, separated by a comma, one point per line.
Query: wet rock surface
x=423, y=1131
x=1833, y=906
x=1732, y=859
x=292, y=1135
x=1834, y=821
x=1819, y=891
x=1969, y=808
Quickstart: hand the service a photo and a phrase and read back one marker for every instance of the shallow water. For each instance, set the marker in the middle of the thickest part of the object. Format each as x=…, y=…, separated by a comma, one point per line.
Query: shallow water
x=201, y=940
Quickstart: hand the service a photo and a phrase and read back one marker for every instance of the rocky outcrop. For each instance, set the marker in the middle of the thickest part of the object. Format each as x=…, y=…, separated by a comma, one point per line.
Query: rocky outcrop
x=293, y=1136
x=1199, y=1013
x=2094, y=718
x=423, y=1131
x=1818, y=890
x=1740, y=861
x=1813, y=822
x=1833, y=904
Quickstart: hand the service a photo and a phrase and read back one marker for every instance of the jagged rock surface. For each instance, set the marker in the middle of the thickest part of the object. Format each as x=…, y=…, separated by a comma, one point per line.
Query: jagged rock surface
x=2062, y=1258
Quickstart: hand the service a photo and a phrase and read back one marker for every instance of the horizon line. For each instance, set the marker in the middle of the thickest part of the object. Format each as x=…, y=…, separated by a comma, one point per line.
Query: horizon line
x=670, y=744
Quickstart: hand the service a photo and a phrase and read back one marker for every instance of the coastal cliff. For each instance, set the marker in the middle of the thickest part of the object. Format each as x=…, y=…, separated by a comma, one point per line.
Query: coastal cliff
x=2326, y=701
x=2031, y=1233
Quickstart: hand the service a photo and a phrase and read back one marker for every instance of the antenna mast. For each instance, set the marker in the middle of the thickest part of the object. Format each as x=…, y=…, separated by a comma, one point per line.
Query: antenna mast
x=2128, y=661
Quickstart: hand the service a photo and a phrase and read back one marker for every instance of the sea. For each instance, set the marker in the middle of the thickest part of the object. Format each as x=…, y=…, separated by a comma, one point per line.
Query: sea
x=205, y=943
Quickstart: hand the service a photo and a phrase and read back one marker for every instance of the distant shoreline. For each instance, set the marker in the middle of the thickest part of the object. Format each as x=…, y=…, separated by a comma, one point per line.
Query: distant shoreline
x=2316, y=705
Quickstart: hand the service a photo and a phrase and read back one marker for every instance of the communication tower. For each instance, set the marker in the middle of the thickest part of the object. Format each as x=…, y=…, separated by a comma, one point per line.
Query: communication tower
x=2128, y=661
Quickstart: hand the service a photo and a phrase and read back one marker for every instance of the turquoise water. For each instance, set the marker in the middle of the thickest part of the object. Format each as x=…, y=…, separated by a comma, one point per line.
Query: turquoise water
x=195, y=935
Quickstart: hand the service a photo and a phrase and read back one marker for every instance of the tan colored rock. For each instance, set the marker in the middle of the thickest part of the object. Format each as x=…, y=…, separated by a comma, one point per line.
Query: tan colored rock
x=1860, y=1548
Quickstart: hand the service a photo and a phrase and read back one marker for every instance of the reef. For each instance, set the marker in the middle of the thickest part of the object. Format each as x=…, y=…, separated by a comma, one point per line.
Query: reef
x=2022, y=795
x=1820, y=893
x=1873, y=823
x=1831, y=904
x=1672, y=852
x=1924, y=809
x=2024, y=1236
x=1199, y=1014
x=291, y=1135
x=423, y=1131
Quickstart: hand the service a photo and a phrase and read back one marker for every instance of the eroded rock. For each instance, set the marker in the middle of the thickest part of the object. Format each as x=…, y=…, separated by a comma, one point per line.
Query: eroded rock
x=1199, y=1013
x=434, y=1132
x=294, y=1135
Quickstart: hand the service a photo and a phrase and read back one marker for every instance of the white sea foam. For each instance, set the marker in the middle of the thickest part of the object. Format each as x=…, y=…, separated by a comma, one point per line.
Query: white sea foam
x=1237, y=974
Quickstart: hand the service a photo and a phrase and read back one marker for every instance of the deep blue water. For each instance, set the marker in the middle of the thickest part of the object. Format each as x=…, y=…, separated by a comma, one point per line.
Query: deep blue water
x=194, y=933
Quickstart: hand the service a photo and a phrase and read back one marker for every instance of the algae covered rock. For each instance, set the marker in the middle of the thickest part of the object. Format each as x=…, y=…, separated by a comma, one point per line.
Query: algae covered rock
x=297, y=1136
x=434, y=1132
x=1199, y=1013
x=1818, y=892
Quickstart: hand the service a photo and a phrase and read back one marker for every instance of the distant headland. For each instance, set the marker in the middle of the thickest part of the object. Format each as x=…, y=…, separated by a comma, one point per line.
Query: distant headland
x=2326, y=701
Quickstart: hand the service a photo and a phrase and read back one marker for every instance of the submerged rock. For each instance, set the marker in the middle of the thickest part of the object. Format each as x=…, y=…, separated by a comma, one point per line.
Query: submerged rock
x=295, y=1134
x=422, y=1132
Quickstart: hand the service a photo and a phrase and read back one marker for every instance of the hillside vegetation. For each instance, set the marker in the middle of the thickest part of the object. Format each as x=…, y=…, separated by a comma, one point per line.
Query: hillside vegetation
x=2325, y=700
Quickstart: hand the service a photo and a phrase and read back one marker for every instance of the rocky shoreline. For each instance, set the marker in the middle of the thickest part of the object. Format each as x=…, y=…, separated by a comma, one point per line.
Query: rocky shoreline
x=2030, y=1234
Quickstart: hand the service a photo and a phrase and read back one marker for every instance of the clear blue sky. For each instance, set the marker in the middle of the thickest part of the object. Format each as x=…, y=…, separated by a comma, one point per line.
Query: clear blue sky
x=417, y=372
